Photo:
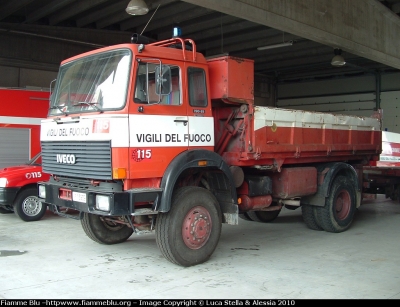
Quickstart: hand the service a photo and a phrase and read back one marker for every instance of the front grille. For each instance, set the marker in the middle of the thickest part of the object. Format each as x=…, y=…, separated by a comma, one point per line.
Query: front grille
x=92, y=159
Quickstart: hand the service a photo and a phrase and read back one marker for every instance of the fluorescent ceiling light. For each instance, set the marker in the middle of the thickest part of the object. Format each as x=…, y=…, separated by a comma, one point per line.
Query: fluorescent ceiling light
x=286, y=44
x=137, y=7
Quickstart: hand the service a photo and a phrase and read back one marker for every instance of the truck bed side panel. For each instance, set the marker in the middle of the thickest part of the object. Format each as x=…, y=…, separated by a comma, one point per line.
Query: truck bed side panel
x=282, y=136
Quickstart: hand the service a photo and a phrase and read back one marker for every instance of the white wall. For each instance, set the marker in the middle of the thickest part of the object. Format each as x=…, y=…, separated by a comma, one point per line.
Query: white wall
x=390, y=104
x=25, y=77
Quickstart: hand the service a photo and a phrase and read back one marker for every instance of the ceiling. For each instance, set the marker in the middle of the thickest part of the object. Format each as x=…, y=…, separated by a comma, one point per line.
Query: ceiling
x=213, y=32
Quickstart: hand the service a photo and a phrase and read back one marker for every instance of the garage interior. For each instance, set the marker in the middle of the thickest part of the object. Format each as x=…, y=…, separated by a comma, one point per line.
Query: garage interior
x=36, y=35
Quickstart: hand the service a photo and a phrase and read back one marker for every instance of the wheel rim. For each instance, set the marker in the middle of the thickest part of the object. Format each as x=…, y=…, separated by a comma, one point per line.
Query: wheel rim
x=31, y=206
x=343, y=204
x=196, y=227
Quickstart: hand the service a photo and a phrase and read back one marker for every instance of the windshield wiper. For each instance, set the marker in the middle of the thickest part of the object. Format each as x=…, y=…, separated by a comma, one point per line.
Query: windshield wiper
x=90, y=104
x=59, y=108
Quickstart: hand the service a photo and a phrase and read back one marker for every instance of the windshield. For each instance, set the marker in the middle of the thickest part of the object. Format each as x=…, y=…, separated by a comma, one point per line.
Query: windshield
x=95, y=83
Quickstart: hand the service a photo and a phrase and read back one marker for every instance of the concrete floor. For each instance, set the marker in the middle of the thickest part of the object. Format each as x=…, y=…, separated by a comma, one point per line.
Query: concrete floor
x=53, y=259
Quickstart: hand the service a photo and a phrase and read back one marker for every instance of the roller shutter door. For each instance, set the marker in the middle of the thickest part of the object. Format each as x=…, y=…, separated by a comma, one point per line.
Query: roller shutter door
x=14, y=146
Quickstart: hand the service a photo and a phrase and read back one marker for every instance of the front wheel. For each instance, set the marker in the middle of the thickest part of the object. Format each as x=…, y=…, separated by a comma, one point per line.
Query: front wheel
x=104, y=231
x=189, y=233
x=28, y=207
x=340, y=206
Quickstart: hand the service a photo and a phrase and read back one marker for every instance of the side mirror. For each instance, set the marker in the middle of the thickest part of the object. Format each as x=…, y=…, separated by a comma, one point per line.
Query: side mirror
x=163, y=80
x=51, y=90
x=51, y=85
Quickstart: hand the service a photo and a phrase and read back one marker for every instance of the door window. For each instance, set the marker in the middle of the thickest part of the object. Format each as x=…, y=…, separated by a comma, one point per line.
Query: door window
x=158, y=83
x=197, y=87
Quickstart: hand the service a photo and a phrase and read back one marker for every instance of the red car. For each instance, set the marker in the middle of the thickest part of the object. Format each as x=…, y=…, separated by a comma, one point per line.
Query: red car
x=18, y=190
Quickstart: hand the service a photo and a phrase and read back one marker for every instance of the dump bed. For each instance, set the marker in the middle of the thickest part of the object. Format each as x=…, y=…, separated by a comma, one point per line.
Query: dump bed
x=268, y=137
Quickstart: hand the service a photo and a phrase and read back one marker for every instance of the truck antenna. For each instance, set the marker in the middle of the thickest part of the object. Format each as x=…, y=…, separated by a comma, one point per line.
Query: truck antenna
x=149, y=20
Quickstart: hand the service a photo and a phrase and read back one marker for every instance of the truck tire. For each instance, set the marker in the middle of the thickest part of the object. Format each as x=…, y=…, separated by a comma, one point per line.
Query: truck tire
x=340, y=206
x=104, y=232
x=28, y=207
x=189, y=233
x=263, y=216
x=394, y=193
x=310, y=217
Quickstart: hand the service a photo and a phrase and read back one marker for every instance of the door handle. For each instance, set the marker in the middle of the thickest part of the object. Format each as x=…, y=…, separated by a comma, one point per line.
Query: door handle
x=184, y=121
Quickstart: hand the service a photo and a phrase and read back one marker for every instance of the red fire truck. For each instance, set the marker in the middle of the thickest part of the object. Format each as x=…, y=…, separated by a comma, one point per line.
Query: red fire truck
x=20, y=114
x=144, y=137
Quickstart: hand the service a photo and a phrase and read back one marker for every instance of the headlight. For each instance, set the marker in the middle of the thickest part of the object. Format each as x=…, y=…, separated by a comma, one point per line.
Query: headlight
x=42, y=191
x=102, y=203
x=3, y=182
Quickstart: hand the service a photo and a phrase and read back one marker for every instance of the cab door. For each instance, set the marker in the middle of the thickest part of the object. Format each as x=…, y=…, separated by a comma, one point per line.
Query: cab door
x=201, y=121
x=158, y=118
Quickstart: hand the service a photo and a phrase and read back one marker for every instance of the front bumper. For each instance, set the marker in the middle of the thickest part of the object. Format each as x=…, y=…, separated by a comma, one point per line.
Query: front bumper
x=7, y=195
x=121, y=202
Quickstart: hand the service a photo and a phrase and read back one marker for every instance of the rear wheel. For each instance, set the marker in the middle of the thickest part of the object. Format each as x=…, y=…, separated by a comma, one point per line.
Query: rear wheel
x=263, y=216
x=28, y=207
x=340, y=207
x=189, y=233
x=394, y=192
x=104, y=231
x=310, y=217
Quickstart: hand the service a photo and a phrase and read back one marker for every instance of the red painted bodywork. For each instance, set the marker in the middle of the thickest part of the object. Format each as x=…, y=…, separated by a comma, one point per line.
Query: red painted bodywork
x=294, y=182
x=231, y=78
x=24, y=104
x=24, y=174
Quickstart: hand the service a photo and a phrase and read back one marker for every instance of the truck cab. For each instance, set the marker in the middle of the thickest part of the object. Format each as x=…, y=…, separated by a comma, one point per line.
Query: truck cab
x=128, y=125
